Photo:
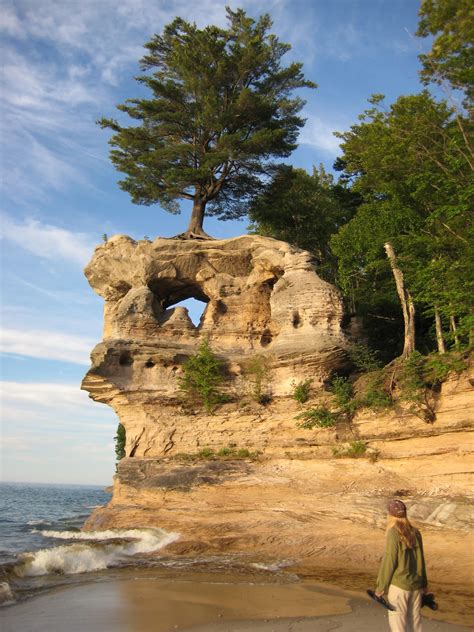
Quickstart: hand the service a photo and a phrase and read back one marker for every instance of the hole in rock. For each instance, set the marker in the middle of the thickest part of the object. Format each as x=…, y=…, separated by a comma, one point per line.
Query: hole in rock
x=195, y=309
x=180, y=293
x=125, y=359
x=266, y=338
x=296, y=319
x=149, y=364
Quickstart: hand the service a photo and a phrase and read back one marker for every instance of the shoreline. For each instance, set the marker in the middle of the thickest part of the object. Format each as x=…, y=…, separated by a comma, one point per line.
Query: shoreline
x=142, y=601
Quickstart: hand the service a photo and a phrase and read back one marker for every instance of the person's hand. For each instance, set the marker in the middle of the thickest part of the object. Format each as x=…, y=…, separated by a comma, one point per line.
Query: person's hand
x=379, y=594
x=426, y=590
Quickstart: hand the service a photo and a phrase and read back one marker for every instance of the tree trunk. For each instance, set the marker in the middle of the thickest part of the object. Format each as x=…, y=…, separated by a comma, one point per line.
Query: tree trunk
x=408, y=308
x=197, y=216
x=195, y=230
x=454, y=329
x=439, y=332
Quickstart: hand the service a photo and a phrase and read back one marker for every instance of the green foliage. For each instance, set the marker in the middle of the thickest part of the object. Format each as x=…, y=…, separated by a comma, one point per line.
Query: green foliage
x=418, y=379
x=343, y=393
x=120, y=440
x=203, y=373
x=375, y=398
x=413, y=389
x=412, y=164
x=256, y=374
x=226, y=452
x=301, y=390
x=221, y=106
x=205, y=453
x=354, y=450
x=319, y=417
x=437, y=367
x=451, y=57
x=364, y=358
x=373, y=393
x=304, y=210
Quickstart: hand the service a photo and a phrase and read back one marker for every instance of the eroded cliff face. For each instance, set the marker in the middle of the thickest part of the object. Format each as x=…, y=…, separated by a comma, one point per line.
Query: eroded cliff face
x=295, y=501
x=263, y=298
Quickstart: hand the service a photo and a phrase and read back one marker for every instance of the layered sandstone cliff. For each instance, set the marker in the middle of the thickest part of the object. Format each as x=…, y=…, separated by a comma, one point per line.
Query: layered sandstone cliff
x=263, y=299
x=293, y=500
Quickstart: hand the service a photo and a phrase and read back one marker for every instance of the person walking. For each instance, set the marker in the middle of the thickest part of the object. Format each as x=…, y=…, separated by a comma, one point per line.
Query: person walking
x=402, y=576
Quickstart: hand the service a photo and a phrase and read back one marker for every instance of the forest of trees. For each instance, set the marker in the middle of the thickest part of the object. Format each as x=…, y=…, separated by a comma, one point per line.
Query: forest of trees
x=395, y=230
x=392, y=229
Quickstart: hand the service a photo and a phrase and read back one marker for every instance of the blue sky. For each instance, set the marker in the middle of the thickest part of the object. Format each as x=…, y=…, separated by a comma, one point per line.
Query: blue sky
x=65, y=64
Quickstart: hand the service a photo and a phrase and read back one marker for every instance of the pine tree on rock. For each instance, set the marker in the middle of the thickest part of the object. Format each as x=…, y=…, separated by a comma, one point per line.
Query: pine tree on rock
x=221, y=108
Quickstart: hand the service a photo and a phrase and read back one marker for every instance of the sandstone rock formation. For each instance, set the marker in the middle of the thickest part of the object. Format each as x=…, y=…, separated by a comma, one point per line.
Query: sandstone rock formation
x=294, y=503
x=263, y=298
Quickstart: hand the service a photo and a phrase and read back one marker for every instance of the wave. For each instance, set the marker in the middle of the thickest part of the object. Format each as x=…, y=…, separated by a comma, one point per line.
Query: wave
x=37, y=523
x=101, y=550
x=6, y=595
x=273, y=567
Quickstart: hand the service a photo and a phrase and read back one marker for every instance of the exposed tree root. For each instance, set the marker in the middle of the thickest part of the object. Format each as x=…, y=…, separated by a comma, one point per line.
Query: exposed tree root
x=189, y=234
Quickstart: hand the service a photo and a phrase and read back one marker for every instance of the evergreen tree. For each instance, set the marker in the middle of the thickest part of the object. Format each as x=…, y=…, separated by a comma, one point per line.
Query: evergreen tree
x=203, y=374
x=120, y=440
x=304, y=210
x=221, y=107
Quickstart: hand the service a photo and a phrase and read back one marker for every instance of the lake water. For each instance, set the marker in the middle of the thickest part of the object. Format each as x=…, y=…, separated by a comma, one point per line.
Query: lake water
x=42, y=545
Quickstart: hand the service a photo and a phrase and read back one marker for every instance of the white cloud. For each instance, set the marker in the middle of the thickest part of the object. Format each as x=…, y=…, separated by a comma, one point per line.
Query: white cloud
x=61, y=296
x=320, y=134
x=47, y=241
x=49, y=345
x=43, y=394
x=9, y=22
x=71, y=57
x=72, y=435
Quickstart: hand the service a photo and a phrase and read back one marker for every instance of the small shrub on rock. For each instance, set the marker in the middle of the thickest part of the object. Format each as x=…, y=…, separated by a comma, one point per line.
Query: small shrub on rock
x=301, y=390
x=319, y=417
x=120, y=440
x=354, y=450
x=256, y=374
x=343, y=393
x=364, y=358
x=205, y=453
x=226, y=452
x=203, y=373
x=373, y=393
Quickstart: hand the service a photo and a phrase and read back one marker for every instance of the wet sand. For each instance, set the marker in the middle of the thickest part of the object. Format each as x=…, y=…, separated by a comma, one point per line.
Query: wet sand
x=201, y=603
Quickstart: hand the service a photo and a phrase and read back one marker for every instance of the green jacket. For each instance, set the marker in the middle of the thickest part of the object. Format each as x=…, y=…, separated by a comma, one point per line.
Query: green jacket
x=401, y=566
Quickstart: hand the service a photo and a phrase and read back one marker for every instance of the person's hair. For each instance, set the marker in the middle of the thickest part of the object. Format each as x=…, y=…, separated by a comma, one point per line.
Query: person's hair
x=405, y=529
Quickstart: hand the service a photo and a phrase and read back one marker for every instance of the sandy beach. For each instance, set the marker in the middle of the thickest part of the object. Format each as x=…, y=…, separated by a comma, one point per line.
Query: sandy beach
x=202, y=603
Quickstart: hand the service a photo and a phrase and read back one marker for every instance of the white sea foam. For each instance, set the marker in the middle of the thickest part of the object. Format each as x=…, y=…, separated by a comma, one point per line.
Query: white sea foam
x=6, y=595
x=276, y=566
x=83, y=557
x=35, y=523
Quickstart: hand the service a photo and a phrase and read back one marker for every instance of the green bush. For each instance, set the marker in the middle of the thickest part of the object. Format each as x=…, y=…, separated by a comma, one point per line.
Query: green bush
x=244, y=453
x=320, y=417
x=256, y=373
x=373, y=393
x=203, y=373
x=437, y=367
x=226, y=452
x=120, y=440
x=205, y=453
x=364, y=358
x=354, y=450
x=414, y=388
x=301, y=390
x=343, y=393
